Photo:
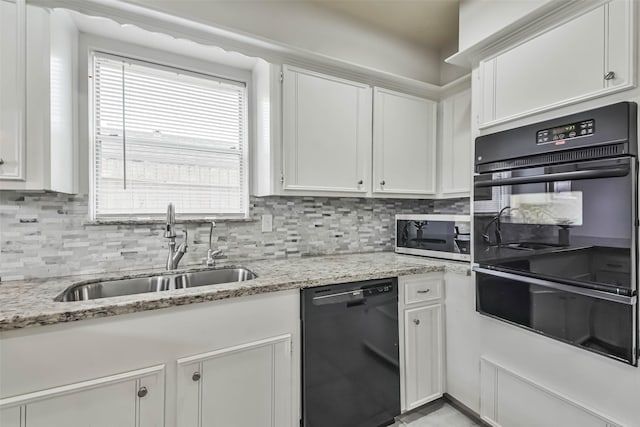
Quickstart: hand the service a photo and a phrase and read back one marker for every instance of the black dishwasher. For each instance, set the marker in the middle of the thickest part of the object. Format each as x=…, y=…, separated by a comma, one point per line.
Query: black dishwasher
x=350, y=361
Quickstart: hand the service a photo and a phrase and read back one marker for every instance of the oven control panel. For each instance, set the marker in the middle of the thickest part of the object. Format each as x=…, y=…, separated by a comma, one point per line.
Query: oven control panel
x=558, y=135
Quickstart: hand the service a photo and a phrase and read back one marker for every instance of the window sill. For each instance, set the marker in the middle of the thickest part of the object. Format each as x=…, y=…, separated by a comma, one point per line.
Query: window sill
x=162, y=221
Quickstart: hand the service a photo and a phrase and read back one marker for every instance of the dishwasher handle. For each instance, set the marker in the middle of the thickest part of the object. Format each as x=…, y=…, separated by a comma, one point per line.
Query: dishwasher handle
x=355, y=295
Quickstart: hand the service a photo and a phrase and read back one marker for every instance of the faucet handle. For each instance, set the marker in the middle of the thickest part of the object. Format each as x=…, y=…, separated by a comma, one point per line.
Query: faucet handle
x=186, y=237
x=211, y=257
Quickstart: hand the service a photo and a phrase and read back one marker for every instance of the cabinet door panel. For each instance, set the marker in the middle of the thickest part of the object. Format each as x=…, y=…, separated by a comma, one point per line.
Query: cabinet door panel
x=106, y=406
x=404, y=144
x=620, y=48
x=561, y=64
x=10, y=417
x=129, y=399
x=456, y=144
x=423, y=355
x=255, y=375
x=327, y=133
x=12, y=89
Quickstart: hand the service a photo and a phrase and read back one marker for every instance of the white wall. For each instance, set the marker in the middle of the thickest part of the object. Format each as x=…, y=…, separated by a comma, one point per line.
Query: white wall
x=311, y=27
x=481, y=18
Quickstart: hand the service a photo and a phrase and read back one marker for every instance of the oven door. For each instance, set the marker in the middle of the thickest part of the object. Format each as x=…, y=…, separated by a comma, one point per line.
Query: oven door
x=572, y=223
x=595, y=320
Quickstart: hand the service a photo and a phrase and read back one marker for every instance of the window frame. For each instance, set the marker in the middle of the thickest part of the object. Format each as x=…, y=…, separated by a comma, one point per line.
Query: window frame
x=92, y=45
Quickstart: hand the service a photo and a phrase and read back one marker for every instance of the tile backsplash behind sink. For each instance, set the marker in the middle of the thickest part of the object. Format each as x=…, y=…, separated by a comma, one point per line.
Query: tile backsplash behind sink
x=47, y=235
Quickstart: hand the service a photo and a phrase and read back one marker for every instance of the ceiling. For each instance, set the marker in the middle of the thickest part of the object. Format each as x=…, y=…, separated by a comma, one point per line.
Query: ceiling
x=429, y=23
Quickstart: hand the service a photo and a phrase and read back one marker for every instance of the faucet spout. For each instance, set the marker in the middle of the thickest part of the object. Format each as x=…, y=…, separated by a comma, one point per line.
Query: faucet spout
x=175, y=255
x=169, y=231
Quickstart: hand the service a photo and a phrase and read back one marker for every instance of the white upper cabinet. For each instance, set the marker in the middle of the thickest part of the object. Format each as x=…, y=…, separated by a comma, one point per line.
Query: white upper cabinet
x=37, y=96
x=404, y=145
x=12, y=89
x=455, y=145
x=326, y=133
x=589, y=56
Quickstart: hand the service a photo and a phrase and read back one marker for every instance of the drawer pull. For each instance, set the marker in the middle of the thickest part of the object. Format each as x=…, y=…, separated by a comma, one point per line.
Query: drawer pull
x=416, y=321
x=424, y=291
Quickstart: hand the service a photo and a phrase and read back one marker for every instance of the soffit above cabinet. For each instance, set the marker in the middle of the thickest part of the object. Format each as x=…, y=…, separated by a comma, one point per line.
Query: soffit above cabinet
x=546, y=17
x=126, y=14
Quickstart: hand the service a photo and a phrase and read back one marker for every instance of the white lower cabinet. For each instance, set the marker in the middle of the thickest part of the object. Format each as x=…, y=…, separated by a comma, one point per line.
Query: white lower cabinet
x=222, y=363
x=423, y=358
x=462, y=331
x=421, y=332
x=244, y=386
x=134, y=399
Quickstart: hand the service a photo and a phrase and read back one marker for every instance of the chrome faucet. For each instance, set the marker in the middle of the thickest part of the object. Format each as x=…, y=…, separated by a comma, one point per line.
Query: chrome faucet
x=211, y=254
x=175, y=255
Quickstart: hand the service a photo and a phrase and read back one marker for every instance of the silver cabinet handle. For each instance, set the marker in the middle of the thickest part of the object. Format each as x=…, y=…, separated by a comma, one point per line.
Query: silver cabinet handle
x=416, y=321
x=360, y=182
x=382, y=182
x=424, y=291
x=1, y=161
x=196, y=376
x=610, y=75
x=142, y=392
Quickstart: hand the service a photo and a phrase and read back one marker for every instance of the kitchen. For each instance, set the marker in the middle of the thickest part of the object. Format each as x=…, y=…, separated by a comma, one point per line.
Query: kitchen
x=307, y=161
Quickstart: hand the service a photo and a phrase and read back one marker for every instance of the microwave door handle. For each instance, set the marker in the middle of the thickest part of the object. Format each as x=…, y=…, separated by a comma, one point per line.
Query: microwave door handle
x=593, y=293
x=560, y=176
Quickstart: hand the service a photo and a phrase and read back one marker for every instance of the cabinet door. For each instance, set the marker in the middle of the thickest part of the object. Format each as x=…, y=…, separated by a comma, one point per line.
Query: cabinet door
x=132, y=399
x=10, y=417
x=244, y=386
x=404, y=144
x=561, y=66
x=456, y=145
x=462, y=332
x=12, y=89
x=326, y=133
x=423, y=355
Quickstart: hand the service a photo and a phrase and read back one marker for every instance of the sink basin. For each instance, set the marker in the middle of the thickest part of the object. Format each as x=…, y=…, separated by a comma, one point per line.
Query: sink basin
x=164, y=282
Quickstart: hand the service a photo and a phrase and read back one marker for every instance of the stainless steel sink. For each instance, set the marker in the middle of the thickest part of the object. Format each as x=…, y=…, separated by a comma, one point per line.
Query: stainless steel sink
x=112, y=288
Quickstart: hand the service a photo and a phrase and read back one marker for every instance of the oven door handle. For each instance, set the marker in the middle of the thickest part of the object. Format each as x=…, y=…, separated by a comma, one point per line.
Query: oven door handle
x=560, y=176
x=593, y=293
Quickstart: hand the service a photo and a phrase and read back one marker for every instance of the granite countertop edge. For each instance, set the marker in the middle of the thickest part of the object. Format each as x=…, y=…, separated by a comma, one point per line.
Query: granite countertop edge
x=30, y=303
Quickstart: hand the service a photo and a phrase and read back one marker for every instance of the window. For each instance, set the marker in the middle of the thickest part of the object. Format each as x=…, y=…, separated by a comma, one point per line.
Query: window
x=163, y=135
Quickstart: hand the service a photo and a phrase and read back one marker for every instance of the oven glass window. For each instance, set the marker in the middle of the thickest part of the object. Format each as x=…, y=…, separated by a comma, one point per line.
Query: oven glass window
x=599, y=325
x=536, y=221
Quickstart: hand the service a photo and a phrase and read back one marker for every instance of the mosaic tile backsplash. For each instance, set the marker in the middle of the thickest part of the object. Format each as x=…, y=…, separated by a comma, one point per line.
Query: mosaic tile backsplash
x=48, y=234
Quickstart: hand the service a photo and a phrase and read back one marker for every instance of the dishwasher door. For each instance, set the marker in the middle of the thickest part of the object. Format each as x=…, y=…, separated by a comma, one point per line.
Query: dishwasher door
x=350, y=360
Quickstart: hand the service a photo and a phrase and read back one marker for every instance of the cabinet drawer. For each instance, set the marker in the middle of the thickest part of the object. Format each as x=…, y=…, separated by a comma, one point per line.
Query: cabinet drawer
x=422, y=288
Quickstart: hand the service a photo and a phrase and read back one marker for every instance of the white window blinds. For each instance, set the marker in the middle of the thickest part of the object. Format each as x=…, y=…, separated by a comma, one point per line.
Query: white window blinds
x=166, y=135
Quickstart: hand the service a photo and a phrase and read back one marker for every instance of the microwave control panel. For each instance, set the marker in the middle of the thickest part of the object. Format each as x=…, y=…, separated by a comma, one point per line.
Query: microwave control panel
x=558, y=135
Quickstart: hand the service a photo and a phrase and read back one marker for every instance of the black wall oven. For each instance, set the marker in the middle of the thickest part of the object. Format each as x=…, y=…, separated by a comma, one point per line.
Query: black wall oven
x=555, y=229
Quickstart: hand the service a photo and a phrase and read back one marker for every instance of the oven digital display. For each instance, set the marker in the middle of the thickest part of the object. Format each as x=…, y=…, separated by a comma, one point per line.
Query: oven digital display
x=560, y=134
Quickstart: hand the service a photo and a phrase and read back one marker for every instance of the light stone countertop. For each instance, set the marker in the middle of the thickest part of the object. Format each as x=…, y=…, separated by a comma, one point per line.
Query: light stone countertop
x=28, y=303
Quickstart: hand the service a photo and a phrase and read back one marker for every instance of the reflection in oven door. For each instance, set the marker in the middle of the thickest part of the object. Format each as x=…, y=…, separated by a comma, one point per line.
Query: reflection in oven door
x=595, y=320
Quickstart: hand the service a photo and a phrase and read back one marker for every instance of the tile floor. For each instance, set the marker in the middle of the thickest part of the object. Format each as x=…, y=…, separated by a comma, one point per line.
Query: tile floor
x=436, y=414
